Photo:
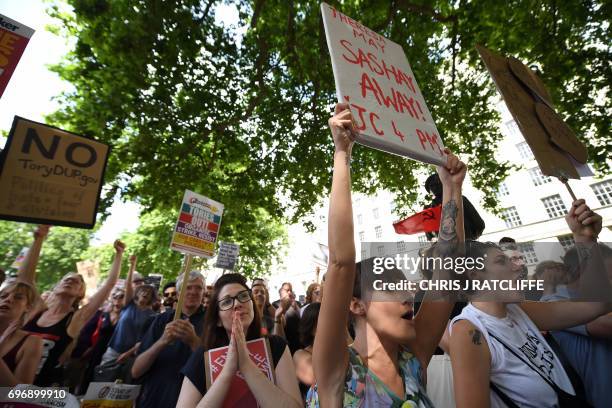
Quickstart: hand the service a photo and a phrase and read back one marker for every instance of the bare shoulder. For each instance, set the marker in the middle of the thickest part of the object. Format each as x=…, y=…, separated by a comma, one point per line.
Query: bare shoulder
x=465, y=333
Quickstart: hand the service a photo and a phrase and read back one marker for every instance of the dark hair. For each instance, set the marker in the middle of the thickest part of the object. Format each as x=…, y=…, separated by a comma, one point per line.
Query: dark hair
x=508, y=243
x=213, y=335
x=365, y=277
x=170, y=284
x=145, y=287
x=308, y=324
x=572, y=260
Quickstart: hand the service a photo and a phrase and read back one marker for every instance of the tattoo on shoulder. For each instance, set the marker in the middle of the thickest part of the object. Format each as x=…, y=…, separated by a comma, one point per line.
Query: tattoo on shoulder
x=476, y=337
x=448, y=223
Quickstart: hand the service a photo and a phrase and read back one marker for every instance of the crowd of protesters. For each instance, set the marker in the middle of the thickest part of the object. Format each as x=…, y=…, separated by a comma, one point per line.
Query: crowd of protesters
x=345, y=346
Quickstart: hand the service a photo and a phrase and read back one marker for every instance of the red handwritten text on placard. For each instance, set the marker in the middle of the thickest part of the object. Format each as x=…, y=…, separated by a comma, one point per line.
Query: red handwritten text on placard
x=381, y=68
x=362, y=32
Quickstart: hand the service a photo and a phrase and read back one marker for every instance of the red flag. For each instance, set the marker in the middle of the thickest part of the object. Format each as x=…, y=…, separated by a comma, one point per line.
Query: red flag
x=427, y=220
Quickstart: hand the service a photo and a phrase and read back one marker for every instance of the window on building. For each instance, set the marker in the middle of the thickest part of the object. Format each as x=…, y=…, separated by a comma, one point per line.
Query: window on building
x=511, y=217
x=537, y=177
x=513, y=129
x=401, y=246
x=363, y=254
x=525, y=151
x=376, y=213
x=554, y=206
x=381, y=250
x=359, y=219
x=566, y=241
x=378, y=231
x=423, y=240
x=362, y=236
x=603, y=192
x=528, y=251
x=502, y=190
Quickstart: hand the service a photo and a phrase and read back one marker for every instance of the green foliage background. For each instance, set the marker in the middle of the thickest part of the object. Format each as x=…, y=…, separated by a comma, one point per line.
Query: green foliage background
x=238, y=112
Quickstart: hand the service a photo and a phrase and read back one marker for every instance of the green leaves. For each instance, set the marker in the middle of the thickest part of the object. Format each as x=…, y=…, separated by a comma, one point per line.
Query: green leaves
x=240, y=113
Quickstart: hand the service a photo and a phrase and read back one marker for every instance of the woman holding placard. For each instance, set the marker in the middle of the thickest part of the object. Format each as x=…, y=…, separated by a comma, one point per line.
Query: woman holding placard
x=376, y=370
x=232, y=320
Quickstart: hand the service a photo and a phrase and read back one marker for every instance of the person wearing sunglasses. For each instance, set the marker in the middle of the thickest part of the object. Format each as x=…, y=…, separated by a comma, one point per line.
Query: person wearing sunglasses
x=232, y=320
x=170, y=296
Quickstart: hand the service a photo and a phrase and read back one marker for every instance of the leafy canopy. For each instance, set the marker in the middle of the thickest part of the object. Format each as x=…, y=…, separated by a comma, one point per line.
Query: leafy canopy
x=239, y=113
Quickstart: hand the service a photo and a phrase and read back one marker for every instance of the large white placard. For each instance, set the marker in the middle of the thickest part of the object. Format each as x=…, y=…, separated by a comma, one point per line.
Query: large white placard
x=374, y=77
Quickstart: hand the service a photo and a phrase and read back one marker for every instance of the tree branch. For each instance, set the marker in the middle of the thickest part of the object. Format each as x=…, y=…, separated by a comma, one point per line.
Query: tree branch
x=424, y=9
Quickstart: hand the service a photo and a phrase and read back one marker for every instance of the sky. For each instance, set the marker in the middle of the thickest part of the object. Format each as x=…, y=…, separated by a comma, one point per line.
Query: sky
x=32, y=88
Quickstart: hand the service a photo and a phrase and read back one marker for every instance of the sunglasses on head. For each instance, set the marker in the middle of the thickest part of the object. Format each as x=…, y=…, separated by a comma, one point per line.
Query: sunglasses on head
x=118, y=296
x=168, y=294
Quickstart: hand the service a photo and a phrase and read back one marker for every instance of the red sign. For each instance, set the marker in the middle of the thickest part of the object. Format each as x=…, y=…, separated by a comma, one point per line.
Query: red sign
x=239, y=394
x=427, y=220
x=14, y=37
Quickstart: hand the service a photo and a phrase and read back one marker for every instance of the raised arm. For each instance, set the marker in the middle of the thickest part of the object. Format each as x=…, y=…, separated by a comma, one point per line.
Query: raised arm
x=330, y=354
x=27, y=270
x=129, y=290
x=594, y=285
x=432, y=318
x=86, y=312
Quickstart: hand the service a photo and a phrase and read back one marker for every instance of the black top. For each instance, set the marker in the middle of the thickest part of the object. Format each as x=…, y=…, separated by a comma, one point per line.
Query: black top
x=194, y=369
x=55, y=341
x=161, y=384
x=292, y=326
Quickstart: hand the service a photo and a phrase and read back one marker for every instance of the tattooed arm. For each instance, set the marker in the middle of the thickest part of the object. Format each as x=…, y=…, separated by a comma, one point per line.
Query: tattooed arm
x=471, y=362
x=430, y=322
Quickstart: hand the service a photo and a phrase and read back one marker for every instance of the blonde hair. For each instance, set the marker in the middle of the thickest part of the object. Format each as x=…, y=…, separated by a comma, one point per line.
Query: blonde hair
x=81, y=295
x=23, y=287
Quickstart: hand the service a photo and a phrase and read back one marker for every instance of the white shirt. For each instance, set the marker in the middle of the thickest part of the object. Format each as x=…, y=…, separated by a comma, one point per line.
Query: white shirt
x=511, y=375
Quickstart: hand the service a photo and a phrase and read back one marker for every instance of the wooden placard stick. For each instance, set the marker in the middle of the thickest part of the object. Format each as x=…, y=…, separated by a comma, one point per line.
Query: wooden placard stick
x=183, y=289
x=565, y=181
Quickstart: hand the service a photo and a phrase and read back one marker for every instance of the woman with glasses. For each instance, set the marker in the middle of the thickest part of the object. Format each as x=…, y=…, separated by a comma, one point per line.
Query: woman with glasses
x=232, y=320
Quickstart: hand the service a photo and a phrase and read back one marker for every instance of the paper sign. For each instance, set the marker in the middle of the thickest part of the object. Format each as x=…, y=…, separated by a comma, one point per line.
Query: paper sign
x=227, y=255
x=197, y=225
x=320, y=254
x=153, y=279
x=374, y=77
x=50, y=176
x=427, y=220
x=14, y=38
x=90, y=271
x=110, y=395
x=20, y=258
x=239, y=394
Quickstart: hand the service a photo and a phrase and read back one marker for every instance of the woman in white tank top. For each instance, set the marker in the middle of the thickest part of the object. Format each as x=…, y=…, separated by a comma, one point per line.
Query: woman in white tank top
x=498, y=344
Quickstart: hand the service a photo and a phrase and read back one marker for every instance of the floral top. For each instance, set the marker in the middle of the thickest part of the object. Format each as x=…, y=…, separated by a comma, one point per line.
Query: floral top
x=364, y=389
